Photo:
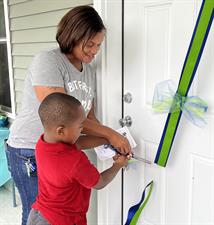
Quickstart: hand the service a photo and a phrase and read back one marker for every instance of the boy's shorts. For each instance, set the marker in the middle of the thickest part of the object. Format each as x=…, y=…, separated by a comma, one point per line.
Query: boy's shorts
x=35, y=218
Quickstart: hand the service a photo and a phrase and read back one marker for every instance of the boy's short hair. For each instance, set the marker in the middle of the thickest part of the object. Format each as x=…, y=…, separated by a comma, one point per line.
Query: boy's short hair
x=58, y=109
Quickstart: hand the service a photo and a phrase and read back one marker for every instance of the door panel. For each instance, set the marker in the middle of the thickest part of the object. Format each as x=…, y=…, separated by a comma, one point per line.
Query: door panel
x=202, y=184
x=156, y=38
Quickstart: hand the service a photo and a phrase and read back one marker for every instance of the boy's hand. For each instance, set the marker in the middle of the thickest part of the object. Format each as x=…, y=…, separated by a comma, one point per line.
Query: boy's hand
x=116, y=157
x=121, y=160
x=108, y=175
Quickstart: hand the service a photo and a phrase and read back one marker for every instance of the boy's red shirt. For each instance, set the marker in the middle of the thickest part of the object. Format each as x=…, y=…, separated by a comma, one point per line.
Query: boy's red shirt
x=65, y=179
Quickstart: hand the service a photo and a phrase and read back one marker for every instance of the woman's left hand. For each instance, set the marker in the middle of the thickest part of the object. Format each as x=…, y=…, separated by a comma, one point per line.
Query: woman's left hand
x=120, y=142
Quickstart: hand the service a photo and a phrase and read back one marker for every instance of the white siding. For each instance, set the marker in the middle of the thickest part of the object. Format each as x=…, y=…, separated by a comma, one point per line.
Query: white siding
x=33, y=28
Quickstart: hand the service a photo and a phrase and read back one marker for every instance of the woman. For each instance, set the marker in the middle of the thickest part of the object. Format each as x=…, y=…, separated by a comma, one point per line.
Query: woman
x=67, y=70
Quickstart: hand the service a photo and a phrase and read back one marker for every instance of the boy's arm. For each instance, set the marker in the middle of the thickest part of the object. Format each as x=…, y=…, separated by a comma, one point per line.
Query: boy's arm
x=87, y=141
x=108, y=175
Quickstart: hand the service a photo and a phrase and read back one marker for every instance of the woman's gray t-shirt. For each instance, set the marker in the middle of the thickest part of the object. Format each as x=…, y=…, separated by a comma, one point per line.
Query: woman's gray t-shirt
x=53, y=69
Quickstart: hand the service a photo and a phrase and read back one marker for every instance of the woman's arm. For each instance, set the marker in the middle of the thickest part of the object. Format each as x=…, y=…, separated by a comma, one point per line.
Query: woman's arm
x=87, y=141
x=43, y=91
x=91, y=114
x=93, y=128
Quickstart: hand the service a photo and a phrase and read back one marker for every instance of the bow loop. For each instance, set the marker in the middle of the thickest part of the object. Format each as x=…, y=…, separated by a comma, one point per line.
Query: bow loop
x=166, y=100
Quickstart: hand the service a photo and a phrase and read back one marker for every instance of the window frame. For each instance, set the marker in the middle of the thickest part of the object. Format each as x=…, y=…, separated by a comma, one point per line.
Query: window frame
x=11, y=114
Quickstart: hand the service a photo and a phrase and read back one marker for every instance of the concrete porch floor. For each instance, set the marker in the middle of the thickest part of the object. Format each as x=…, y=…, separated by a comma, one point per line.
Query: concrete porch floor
x=9, y=215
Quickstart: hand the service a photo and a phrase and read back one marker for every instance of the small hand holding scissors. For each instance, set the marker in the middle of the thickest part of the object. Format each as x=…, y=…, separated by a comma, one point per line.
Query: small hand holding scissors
x=133, y=155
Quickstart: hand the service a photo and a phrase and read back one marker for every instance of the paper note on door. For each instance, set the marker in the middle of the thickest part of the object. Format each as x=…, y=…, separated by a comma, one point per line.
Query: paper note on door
x=105, y=151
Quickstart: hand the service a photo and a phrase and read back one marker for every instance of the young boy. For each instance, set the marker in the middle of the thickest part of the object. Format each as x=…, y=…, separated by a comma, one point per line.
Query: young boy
x=65, y=174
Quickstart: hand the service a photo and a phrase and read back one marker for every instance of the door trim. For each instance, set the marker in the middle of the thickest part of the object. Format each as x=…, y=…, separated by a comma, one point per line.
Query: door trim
x=109, y=73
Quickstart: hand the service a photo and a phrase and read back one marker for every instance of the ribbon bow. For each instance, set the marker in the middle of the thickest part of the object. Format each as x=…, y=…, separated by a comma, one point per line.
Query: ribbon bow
x=166, y=100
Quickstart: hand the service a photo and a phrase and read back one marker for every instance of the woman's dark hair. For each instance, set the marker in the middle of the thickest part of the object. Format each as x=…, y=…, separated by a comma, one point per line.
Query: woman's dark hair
x=79, y=24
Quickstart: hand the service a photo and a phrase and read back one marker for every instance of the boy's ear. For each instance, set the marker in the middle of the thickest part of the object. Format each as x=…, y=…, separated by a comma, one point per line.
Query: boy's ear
x=60, y=130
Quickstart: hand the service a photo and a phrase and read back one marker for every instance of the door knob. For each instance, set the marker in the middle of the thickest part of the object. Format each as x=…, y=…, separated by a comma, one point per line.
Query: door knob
x=127, y=121
x=127, y=97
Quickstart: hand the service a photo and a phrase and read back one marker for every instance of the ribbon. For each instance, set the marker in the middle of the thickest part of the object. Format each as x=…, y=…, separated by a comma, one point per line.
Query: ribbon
x=191, y=62
x=135, y=211
x=167, y=100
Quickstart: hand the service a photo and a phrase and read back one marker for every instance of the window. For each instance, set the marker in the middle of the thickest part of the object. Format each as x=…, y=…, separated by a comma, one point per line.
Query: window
x=6, y=82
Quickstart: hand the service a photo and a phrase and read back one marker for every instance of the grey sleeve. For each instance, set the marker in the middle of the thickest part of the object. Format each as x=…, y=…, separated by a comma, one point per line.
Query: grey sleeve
x=45, y=70
x=94, y=80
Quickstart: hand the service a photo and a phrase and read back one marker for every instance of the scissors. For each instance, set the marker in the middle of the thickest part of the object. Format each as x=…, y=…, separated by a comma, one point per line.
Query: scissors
x=140, y=159
x=133, y=155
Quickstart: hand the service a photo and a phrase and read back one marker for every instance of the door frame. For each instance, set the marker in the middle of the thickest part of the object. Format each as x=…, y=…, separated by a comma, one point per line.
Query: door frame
x=109, y=70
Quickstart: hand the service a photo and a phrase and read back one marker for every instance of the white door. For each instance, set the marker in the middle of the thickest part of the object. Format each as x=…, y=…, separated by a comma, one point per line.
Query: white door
x=156, y=38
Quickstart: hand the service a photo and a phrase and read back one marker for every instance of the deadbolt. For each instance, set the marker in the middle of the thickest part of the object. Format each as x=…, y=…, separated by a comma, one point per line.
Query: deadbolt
x=127, y=121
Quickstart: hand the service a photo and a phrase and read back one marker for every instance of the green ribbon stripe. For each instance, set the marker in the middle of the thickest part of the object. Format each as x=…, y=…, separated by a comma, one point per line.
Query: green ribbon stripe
x=189, y=69
x=138, y=212
x=196, y=46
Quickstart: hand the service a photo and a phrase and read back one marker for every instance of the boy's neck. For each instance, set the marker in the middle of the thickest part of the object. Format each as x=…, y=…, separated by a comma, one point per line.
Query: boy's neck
x=49, y=139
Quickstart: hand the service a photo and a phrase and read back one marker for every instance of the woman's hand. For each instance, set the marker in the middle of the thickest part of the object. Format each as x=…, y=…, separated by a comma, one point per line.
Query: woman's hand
x=120, y=143
x=94, y=128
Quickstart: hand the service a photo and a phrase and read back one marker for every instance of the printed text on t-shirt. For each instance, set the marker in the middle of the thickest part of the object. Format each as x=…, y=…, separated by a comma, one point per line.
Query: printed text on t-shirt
x=79, y=85
x=82, y=86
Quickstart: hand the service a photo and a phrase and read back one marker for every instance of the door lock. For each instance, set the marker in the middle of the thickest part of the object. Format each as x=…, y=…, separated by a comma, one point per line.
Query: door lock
x=127, y=97
x=127, y=121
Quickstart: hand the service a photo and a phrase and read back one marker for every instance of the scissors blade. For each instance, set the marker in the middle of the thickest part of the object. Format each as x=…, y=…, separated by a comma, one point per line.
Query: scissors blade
x=133, y=156
x=141, y=159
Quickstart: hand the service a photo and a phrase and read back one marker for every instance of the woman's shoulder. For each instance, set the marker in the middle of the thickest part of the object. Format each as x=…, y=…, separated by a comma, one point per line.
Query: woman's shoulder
x=46, y=58
x=47, y=54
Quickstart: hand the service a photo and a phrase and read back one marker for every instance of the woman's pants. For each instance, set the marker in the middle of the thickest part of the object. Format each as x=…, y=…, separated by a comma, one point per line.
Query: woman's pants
x=26, y=185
